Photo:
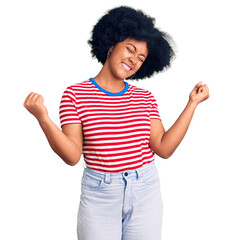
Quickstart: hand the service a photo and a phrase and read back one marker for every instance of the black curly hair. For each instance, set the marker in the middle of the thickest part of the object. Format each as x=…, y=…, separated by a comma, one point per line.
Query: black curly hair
x=125, y=22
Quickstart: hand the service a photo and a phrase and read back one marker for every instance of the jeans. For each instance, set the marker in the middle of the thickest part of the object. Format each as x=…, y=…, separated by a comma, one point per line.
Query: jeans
x=120, y=206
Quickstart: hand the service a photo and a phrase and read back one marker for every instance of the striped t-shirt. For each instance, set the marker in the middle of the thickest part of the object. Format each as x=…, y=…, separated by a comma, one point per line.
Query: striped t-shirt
x=116, y=126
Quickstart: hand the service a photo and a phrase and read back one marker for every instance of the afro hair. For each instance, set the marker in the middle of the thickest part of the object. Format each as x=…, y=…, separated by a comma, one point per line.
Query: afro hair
x=125, y=22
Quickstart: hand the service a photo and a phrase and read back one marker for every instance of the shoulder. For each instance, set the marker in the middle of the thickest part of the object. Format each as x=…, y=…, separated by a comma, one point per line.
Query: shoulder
x=78, y=88
x=79, y=85
x=143, y=93
x=139, y=91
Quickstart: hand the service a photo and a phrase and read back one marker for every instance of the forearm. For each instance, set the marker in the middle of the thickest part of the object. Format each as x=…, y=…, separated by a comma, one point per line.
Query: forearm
x=172, y=138
x=63, y=146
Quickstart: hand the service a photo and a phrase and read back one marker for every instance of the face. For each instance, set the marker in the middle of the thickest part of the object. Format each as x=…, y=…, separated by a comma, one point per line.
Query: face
x=127, y=57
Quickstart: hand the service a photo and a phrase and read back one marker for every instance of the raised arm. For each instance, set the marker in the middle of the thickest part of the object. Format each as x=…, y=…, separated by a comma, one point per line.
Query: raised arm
x=66, y=143
x=164, y=143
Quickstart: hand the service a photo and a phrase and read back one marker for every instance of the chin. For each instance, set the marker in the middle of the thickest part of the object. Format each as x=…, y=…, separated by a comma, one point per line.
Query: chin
x=123, y=75
x=120, y=76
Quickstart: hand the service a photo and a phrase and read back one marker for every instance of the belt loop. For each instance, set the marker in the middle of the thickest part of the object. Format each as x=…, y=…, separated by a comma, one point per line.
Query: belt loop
x=107, y=178
x=138, y=173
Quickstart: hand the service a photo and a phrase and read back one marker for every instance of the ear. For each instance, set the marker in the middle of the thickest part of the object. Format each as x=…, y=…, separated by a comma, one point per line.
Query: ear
x=110, y=49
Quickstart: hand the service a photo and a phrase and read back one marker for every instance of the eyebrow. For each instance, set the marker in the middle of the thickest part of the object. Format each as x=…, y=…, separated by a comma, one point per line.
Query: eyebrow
x=136, y=49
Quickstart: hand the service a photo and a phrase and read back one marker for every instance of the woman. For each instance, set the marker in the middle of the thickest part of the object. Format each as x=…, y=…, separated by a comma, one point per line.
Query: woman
x=118, y=129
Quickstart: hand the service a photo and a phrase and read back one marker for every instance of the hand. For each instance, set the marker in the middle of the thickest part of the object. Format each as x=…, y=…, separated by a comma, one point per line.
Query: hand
x=199, y=93
x=34, y=103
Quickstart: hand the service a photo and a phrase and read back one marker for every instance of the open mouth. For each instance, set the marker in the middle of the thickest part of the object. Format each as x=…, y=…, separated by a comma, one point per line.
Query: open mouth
x=126, y=67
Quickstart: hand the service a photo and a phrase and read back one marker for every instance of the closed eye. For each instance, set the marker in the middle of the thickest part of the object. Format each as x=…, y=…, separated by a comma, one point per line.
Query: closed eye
x=131, y=51
x=141, y=60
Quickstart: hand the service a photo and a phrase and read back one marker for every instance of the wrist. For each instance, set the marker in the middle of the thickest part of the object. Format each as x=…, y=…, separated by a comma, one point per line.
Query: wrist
x=43, y=119
x=192, y=103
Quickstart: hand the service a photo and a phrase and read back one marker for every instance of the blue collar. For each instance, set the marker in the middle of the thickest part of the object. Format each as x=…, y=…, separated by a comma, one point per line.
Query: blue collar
x=110, y=93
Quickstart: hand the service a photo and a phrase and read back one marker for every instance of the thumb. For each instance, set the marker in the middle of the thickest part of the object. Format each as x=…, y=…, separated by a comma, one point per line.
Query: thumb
x=199, y=84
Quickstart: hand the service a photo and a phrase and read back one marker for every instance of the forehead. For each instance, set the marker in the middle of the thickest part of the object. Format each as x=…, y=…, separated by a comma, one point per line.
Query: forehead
x=141, y=46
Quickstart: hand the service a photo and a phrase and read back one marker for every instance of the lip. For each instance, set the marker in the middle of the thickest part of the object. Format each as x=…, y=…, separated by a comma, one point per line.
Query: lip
x=127, y=65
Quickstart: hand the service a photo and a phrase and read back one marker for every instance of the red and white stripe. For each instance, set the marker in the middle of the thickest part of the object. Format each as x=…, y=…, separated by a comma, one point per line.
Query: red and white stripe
x=116, y=128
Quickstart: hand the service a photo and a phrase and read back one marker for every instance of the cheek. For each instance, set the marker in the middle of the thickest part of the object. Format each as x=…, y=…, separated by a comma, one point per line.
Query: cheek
x=139, y=65
x=115, y=67
x=113, y=64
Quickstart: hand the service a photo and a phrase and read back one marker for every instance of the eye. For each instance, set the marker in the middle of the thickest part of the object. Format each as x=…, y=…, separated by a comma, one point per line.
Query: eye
x=130, y=50
x=141, y=60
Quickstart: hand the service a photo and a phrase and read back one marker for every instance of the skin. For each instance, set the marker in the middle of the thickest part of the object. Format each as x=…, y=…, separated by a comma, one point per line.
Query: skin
x=164, y=143
x=68, y=142
x=112, y=75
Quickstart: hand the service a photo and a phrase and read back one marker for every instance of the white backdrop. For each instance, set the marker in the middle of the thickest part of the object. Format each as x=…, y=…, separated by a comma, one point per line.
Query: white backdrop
x=43, y=48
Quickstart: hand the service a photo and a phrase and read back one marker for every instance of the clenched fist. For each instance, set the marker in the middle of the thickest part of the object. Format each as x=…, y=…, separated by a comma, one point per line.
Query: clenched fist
x=199, y=93
x=34, y=103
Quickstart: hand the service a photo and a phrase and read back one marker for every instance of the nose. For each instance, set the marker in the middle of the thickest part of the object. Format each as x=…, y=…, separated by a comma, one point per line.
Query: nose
x=132, y=60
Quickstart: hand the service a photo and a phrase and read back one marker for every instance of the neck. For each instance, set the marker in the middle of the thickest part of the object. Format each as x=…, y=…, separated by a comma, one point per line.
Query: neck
x=108, y=81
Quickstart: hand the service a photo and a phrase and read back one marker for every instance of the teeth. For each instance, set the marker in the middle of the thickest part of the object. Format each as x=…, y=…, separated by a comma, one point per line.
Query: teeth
x=126, y=67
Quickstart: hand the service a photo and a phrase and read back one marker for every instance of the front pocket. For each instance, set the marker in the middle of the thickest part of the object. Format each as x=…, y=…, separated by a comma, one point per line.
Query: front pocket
x=151, y=177
x=150, y=181
x=91, y=182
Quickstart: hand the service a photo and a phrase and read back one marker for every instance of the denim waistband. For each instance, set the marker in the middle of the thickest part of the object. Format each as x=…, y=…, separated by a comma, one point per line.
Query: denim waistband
x=129, y=173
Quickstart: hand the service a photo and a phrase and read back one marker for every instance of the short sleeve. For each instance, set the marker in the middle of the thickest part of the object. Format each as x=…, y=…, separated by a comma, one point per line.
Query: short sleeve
x=154, y=112
x=68, y=108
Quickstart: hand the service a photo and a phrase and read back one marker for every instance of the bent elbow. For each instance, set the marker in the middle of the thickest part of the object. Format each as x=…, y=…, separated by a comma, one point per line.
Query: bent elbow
x=72, y=162
x=161, y=152
x=75, y=161
x=165, y=155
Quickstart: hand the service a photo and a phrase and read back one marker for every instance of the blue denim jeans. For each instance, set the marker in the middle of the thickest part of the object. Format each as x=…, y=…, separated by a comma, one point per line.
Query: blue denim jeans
x=120, y=206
